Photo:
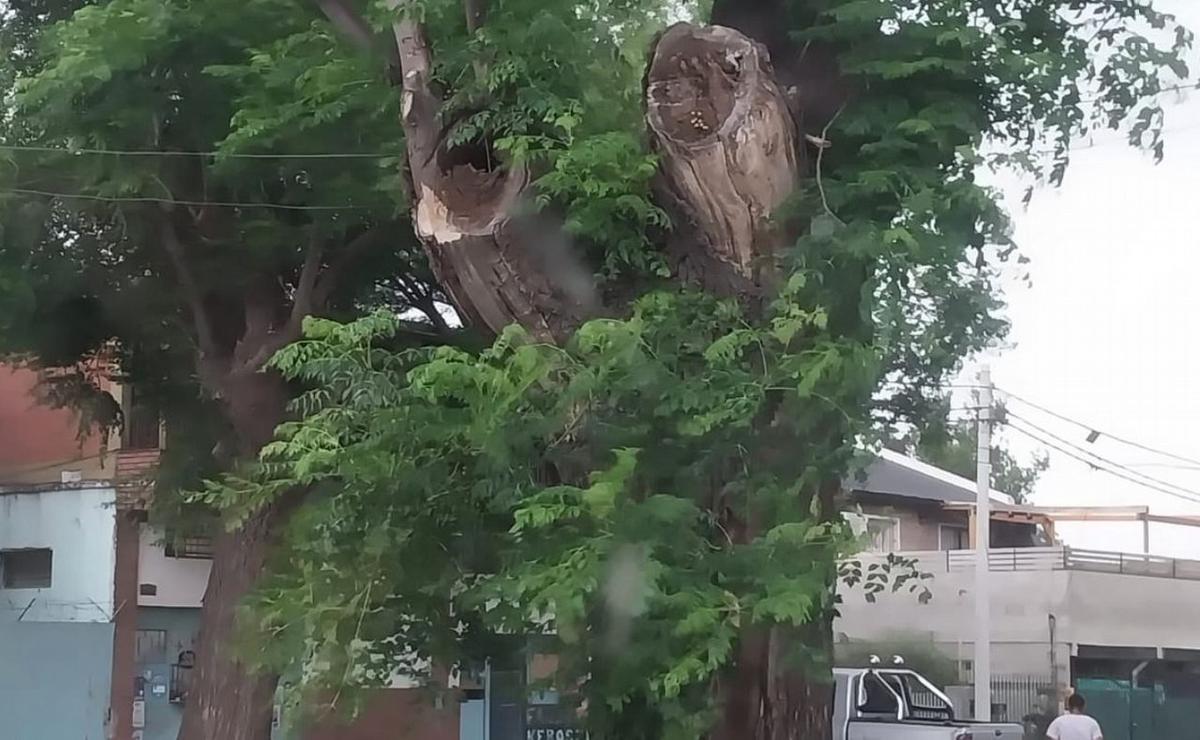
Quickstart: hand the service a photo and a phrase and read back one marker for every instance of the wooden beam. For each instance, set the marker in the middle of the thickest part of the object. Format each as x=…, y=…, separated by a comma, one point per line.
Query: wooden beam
x=1178, y=520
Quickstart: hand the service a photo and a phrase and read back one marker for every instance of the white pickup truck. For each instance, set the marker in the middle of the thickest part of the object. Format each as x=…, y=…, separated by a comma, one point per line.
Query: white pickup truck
x=899, y=704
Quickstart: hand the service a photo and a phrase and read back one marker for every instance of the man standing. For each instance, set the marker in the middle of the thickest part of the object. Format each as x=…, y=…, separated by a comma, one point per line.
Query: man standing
x=1075, y=725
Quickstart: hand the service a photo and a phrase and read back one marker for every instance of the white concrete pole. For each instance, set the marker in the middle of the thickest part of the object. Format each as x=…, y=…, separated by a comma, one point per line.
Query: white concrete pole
x=983, y=540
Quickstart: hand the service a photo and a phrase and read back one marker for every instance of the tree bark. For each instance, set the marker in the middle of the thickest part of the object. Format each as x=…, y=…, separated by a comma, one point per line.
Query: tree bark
x=228, y=700
x=473, y=217
x=764, y=696
x=729, y=154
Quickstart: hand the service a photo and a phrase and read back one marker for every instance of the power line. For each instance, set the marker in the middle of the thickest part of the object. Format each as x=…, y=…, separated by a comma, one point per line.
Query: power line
x=63, y=463
x=1091, y=453
x=1183, y=87
x=190, y=203
x=1098, y=463
x=1093, y=430
x=213, y=154
x=1118, y=140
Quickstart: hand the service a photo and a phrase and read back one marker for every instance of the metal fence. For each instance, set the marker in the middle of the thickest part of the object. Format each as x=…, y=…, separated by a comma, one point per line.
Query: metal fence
x=1058, y=558
x=1015, y=697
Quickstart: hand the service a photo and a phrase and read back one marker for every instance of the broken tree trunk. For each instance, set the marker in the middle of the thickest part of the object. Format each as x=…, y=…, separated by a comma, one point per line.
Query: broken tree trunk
x=730, y=155
x=474, y=219
x=728, y=150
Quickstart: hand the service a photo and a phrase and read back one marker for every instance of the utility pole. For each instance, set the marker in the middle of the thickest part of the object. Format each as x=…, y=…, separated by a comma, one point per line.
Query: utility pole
x=983, y=541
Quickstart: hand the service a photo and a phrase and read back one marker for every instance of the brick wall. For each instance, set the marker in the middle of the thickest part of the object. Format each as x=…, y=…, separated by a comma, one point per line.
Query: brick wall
x=395, y=714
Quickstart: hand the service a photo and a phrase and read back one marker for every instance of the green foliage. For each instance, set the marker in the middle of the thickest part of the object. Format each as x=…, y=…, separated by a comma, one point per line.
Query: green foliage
x=952, y=445
x=467, y=464
x=603, y=182
x=172, y=79
x=645, y=494
x=659, y=485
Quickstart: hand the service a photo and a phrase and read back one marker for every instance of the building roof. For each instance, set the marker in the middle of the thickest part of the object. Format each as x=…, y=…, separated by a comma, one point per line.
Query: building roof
x=895, y=474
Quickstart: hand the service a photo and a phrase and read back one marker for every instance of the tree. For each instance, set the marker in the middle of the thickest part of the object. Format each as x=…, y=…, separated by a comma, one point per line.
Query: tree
x=800, y=224
x=660, y=485
x=191, y=260
x=952, y=444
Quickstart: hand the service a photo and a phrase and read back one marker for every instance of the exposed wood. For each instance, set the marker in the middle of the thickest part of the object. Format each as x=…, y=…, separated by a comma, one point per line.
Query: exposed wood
x=808, y=73
x=729, y=153
x=471, y=215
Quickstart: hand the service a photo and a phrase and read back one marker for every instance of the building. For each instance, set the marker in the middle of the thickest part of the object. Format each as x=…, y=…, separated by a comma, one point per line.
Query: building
x=1059, y=613
x=97, y=614
x=57, y=559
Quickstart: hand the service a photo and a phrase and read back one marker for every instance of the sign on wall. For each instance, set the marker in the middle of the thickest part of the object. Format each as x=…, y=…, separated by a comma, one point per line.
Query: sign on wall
x=554, y=733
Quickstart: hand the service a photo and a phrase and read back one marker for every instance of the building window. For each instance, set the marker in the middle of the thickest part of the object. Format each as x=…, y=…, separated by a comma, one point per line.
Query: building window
x=142, y=421
x=196, y=547
x=150, y=646
x=26, y=568
x=883, y=534
x=953, y=537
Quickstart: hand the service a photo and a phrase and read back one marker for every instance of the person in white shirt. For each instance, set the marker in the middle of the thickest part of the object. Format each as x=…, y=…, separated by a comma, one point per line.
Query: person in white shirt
x=1075, y=725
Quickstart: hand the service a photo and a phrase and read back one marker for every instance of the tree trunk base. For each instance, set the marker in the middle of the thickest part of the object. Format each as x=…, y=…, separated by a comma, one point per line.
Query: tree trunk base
x=228, y=701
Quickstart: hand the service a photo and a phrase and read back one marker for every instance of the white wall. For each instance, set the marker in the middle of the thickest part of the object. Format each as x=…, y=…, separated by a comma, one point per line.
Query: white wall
x=1089, y=609
x=78, y=525
x=180, y=581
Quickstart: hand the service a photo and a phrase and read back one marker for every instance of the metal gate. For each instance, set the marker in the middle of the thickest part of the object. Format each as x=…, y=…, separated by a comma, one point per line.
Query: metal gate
x=1143, y=713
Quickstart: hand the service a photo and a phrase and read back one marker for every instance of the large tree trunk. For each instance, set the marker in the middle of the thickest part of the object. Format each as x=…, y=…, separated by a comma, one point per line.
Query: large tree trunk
x=731, y=154
x=228, y=700
x=765, y=698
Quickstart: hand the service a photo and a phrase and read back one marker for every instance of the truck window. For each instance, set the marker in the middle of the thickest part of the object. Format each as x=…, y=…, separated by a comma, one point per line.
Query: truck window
x=921, y=701
x=879, y=700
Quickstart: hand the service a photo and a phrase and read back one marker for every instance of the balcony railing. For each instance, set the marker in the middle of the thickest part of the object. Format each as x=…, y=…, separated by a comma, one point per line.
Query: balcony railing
x=1057, y=558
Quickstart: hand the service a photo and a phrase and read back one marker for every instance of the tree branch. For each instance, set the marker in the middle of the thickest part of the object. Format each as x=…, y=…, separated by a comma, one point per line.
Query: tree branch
x=419, y=105
x=476, y=12
x=429, y=307
x=354, y=26
x=358, y=247
x=306, y=284
x=349, y=22
x=205, y=335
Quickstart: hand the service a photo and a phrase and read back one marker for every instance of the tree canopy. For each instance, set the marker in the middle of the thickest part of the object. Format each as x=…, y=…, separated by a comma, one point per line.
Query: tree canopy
x=952, y=444
x=644, y=464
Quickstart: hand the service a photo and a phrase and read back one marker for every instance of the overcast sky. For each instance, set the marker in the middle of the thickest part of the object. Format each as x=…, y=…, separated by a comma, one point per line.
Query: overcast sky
x=1109, y=331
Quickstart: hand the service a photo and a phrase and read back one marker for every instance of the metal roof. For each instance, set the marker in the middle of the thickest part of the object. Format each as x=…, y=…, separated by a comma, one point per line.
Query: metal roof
x=893, y=474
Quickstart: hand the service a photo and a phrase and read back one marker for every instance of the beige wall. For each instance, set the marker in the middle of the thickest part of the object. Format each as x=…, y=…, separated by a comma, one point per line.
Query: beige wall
x=918, y=528
x=180, y=581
